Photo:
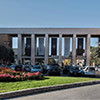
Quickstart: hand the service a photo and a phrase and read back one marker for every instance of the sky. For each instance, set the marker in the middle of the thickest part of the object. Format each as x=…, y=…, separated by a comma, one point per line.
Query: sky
x=50, y=13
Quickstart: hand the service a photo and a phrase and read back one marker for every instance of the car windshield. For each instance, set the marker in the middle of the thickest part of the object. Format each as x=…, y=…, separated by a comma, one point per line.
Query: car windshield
x=26, y=66
x=75, y=68
x=91, y=68
x=37, y=67
x=54, y=67
x=13, y=66
x=81, y=68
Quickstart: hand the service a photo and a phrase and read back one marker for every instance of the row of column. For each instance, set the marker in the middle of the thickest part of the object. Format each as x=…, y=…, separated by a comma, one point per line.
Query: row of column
x=60, y=49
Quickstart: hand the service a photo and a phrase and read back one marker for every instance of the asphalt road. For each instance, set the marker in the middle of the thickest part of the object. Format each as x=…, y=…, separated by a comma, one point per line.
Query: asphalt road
x=91, y=92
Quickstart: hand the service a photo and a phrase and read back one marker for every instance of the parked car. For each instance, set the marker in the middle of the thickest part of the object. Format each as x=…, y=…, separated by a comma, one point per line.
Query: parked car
x=90, y=71
x=47, y=68
x=12, y=67
x=74, y=70
x=66, y=69
x=19, y=68
x=99, y=68
x=37, y=68
x=1, y=65
x=54, y=69
x=44, y=69
x=27, y=68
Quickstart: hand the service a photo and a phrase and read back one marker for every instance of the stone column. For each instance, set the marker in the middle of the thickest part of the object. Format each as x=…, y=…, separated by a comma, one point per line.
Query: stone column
x=74, y=50
x=99, y=41
x=19, y=49
x=46, y=48
x=85, y=46
x=60, y=50
x=32, y=49
x=23, y=46
x=88, y=50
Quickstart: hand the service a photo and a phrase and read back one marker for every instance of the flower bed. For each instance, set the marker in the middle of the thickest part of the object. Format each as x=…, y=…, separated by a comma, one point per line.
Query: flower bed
x=8, y=75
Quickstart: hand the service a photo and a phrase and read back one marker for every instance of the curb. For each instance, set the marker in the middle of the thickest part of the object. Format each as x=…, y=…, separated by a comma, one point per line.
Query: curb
x=44, y=89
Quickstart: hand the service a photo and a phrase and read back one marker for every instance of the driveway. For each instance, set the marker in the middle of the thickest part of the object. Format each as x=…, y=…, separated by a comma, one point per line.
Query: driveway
x=91, y=92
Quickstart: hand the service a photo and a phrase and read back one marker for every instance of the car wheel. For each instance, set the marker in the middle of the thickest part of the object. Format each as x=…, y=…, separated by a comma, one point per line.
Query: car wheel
x=93, y=75
x=82, y=74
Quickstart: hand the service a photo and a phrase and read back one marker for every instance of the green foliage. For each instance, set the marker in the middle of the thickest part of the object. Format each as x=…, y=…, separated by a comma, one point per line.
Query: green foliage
x=98, y=52
x=6, y=55
x=95, y=55
x=52, y=61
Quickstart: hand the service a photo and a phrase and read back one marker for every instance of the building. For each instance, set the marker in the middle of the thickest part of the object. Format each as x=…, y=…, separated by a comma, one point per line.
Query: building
x=36, y=44
x=6, y=40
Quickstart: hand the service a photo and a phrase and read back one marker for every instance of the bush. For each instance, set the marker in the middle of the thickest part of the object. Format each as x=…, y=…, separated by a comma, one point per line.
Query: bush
x=8, y=75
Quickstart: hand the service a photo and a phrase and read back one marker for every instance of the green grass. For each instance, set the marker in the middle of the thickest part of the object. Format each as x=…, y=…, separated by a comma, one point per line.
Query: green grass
x=49, y=81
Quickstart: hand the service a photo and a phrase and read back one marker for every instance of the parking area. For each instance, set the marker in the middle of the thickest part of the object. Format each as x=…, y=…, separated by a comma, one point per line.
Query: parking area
x=56, y=70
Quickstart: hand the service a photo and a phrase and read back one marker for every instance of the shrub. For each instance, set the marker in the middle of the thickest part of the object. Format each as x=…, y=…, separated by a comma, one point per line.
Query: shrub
x=8, y=75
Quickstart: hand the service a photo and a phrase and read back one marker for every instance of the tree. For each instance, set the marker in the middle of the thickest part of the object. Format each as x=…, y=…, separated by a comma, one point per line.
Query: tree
x=98, y=52
x=95, y=55
x=6, y=55
x=52, y=61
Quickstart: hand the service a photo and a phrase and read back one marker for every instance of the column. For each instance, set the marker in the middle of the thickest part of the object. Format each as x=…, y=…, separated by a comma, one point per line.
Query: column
x=85, y=46
x=74, y=50
x=98, y=41
x=60, y=50
x=88, y=50
x=46, y=48
x=19, y=49
x=32, y=49
x=23, y=46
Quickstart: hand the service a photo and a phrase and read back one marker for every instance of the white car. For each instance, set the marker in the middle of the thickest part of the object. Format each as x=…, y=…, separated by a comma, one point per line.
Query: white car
x=37, y=68
x=90, y=71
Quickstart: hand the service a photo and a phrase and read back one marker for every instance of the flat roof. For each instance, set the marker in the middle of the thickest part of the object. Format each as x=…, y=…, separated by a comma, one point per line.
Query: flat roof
x=50, y=31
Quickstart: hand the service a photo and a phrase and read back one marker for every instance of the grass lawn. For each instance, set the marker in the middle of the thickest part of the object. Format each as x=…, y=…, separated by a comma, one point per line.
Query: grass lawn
x=49, y=81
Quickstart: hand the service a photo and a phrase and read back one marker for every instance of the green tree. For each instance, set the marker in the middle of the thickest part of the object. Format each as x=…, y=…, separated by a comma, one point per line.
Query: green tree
x=98, y=52
x=6, y=55
x=52, y=61
x=95, y=55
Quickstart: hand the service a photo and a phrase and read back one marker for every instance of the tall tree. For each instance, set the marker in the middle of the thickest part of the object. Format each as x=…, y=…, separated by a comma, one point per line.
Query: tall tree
x=6, y=55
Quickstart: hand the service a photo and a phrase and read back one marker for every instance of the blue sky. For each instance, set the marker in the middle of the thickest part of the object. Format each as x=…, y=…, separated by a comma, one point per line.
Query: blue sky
x=50, y=13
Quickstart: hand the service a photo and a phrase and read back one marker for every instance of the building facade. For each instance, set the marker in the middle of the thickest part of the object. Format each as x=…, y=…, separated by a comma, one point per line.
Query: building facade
x=47, y=43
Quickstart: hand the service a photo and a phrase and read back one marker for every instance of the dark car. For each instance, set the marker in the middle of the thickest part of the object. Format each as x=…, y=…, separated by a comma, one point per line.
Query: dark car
x=54, y=69
x=27, y=68
x=19, y=68
x=47, y=68
x=66, y=69
x=74, y=70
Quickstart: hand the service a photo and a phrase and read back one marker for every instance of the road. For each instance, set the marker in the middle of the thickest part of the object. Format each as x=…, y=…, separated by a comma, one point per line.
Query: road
x=91, y=92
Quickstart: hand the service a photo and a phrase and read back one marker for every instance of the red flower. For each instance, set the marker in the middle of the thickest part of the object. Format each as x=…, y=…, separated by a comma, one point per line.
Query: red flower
x=12, y=76
x=25, y=75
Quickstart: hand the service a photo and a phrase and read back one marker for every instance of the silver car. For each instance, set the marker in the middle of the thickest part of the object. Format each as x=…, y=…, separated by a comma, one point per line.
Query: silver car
x=12, y=67
x=37, y=68
x=88, y=71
